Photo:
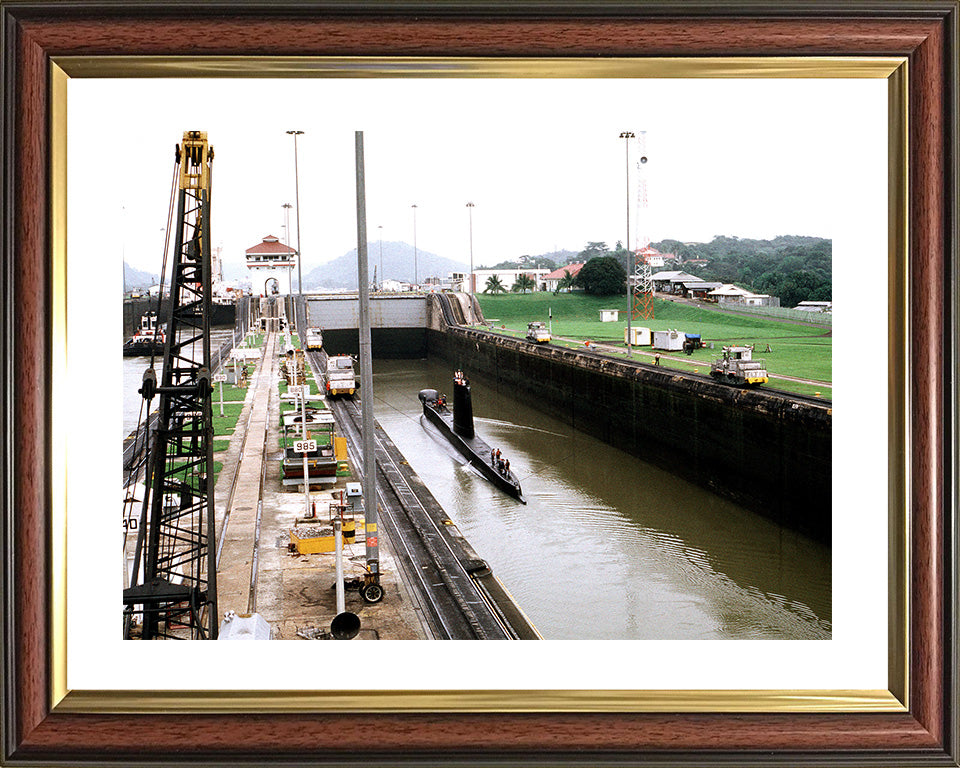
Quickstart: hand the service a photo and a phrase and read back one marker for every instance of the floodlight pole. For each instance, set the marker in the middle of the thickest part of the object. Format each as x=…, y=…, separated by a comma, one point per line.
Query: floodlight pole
x=470, y=207
x=626, y=136
x=416, y=281
x=286, y=238
x=366, y=378
x=296, y=177
x=380, y=227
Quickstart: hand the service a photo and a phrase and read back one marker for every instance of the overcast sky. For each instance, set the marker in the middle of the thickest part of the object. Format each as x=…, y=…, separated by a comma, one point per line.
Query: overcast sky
x=540, y=159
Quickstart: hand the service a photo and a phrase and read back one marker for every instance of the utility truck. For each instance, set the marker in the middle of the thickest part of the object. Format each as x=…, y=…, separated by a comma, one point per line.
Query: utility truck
x=538, y=333
x=340, y=377
x=314, y=338
x=738, y=367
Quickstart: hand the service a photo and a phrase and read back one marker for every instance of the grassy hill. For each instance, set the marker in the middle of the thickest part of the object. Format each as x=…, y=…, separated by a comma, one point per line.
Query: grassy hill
x=798, y=350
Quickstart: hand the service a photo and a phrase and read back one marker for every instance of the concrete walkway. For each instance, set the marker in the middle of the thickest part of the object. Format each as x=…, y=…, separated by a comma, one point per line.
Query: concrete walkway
x=234, y=574
x=294, y=592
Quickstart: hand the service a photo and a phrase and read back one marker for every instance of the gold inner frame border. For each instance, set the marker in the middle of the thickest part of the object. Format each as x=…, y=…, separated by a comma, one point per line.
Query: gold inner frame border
x=895, y=699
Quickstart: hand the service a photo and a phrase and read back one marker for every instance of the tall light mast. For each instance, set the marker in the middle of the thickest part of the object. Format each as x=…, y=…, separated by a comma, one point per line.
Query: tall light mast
x=642, y=274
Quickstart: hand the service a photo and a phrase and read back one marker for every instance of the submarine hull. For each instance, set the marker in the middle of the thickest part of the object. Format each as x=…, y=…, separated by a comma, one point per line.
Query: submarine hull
x=473, y=448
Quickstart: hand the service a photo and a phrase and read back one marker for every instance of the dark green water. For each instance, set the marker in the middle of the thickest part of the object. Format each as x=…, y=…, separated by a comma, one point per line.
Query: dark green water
x=607, y=547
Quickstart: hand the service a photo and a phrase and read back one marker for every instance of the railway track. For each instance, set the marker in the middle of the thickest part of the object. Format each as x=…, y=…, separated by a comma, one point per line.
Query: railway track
x=456, y=592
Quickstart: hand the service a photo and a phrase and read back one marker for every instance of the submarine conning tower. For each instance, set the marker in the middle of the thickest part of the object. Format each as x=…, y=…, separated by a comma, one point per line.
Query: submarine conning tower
x=462, y=409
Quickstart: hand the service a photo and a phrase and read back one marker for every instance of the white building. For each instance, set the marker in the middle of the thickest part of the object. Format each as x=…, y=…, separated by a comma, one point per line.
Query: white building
x=672, y=281
x=508, y=277
x=734, y=295
x=271, y=266
x=454, y=281
x=652, y=256
x=394, y=286
x=641, y=336
x=670, y=340
x=815, y=306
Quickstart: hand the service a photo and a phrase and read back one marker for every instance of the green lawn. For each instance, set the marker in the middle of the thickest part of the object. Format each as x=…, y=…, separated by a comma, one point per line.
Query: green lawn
x=282, y=386
x=191, y=479
x=798, y=350
x=224, y=425
x=230, y=394
x=322, y=438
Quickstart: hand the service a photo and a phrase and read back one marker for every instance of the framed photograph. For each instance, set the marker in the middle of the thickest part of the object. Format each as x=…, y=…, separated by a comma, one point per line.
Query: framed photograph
x=881, y=688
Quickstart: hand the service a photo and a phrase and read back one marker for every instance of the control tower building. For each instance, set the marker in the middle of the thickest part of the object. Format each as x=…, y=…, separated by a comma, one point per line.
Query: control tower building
x=271, y=266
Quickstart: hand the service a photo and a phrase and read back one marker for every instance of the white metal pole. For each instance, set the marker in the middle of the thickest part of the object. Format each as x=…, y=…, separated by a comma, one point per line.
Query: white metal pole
x=296, y=176
x=303, y=427
x=380, y=227
x=416, y=281
x=470, y=208
x=626, y=136
x=338, y=544
x=366, y=375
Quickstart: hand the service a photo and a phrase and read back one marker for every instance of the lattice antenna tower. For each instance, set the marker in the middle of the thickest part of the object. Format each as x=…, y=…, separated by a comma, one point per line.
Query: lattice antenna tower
x=174, y=585
x=642, y=303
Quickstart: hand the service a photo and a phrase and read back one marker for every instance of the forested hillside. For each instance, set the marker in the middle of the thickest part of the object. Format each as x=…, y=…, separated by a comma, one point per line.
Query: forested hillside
x=792, y=267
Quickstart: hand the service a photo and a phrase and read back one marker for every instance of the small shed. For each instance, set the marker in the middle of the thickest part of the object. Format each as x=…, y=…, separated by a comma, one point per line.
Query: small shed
x=641, y=336
x=609, y=315
x=669, y=340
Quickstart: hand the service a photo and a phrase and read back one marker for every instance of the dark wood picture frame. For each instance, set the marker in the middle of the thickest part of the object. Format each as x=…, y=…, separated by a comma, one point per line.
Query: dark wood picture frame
x=35, y=33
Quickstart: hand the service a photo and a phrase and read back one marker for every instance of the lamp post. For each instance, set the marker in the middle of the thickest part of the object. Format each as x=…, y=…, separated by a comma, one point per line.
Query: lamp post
x=296, y=177
x=286, y=239
x=416, y=281
x=380, y=228
x=626, y=136
x=470, y=207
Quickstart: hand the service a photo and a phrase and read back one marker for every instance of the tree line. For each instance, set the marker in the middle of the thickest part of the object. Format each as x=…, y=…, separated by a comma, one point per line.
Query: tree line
x=794, y=268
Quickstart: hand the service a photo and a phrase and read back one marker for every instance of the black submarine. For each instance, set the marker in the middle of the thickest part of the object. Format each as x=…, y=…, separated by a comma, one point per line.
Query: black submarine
x=457, y=427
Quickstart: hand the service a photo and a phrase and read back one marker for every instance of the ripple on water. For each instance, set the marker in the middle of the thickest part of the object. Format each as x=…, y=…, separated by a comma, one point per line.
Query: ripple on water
x=608, y=547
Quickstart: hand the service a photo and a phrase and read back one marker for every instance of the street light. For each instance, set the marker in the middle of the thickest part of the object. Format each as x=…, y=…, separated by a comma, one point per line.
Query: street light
x=296, y=176
x=470, y=207
x=416, y=281
x=626, y=136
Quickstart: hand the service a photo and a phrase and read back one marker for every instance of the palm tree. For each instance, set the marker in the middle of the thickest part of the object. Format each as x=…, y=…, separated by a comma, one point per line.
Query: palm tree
x=494, y=285
x=565, y=283
x=523, y=284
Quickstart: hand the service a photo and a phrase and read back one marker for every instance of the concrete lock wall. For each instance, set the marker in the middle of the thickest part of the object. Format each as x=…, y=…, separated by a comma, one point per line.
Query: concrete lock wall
x=398, y=324
x=767, y=453
x=343, y=312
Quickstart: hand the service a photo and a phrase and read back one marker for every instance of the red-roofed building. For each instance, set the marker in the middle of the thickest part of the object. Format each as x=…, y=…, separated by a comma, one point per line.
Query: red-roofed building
x=271, y=266
x=552, y=279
